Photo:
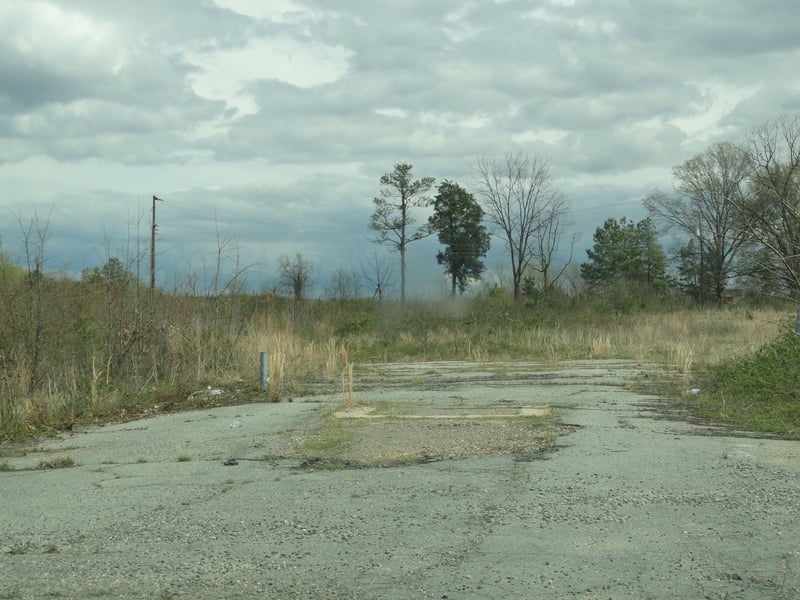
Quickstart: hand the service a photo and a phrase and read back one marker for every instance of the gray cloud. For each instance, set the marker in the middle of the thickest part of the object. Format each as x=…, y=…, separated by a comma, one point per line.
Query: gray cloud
x=272, y=130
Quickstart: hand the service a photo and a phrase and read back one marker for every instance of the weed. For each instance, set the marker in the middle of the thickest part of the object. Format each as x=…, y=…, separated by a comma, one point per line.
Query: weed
x=6, y=466
x=184, y=458
x=331, y=434
x=600, y=347
x=61, y=462
x=20, y=548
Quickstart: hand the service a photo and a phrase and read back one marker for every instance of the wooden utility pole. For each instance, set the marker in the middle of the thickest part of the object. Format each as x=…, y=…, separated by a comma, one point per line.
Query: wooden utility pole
x=153, y=246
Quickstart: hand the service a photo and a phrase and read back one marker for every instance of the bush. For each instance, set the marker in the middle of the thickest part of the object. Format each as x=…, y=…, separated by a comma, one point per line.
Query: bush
x=760, y=392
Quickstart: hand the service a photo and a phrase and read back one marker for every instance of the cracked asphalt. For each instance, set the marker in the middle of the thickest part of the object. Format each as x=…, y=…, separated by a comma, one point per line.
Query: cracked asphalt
x=627, y=505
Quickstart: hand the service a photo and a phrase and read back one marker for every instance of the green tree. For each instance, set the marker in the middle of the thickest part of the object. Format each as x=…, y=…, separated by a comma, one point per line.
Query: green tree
x=626, y=252
x=392, y=219
x=9, y=272
x=112, y=273
x=457, y=219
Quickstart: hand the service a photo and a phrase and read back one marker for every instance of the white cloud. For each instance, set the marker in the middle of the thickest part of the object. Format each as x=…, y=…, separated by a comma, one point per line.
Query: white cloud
x=46, y=31
x=399, y=113
x=273, y=9
x=226, y=74
x=67, y=43
x=548, y=136
x=715, y=101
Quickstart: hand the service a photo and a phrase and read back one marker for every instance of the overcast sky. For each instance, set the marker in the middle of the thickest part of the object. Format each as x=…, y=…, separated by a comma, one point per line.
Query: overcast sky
x=267, y=124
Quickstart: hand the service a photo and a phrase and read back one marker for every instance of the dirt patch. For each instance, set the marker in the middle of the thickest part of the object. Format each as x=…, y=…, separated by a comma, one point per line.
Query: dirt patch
x=409, y=440
x=370, y=412
x=392, y=434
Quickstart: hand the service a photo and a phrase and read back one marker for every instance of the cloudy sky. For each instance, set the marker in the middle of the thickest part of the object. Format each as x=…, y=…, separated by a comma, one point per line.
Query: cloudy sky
x=265, y=125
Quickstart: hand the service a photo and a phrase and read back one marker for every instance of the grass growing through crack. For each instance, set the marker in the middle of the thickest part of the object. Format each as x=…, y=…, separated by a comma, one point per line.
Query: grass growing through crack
x=62, y=462
x=20, y=549
x=330, y=436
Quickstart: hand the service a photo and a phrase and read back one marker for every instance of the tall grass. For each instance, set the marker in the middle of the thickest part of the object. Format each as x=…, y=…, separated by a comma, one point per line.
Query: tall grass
x=113, y=350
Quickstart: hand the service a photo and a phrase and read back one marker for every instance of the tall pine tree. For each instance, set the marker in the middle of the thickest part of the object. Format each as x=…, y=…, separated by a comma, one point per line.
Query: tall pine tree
x=392, y=217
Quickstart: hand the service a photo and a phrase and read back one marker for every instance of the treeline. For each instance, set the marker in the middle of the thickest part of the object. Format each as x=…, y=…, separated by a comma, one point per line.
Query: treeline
x=735, y=209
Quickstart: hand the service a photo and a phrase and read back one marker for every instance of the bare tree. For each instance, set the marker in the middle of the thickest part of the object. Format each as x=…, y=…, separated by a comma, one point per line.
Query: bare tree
x=773, y=215
x=34, y=235
x=710, y=190
x=343, y=285
x=392, y=219
x=378, y=273
x=548, y=238
x=521, y=203
x=294, y=273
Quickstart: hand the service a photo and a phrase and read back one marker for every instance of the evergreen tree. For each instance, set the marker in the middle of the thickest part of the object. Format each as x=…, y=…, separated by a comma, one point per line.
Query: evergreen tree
x=392, y=219
x=627, y=252
x=457, y=218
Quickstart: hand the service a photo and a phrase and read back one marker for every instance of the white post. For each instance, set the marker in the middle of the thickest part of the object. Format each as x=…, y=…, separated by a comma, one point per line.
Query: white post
x=264, y=371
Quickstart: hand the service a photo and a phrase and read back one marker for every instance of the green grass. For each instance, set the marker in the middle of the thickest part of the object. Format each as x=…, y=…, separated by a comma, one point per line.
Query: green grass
x=330, y=435
x=759, y=392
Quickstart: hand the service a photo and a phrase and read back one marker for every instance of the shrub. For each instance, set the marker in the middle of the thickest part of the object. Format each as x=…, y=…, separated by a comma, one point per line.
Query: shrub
x=760, y=391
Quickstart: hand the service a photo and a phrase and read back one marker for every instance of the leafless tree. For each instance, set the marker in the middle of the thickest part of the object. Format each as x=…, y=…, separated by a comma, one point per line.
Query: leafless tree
x=343, y=285
x=548, y=239
x=710, y=190
x=294, y=273
x=377, y=272
x=34, y=233
x=773, y=215
x=520, y=202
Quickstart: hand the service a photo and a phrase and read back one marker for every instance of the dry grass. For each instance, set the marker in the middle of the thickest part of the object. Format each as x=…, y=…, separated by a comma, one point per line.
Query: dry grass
x=198, y=349
x=347, y=386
